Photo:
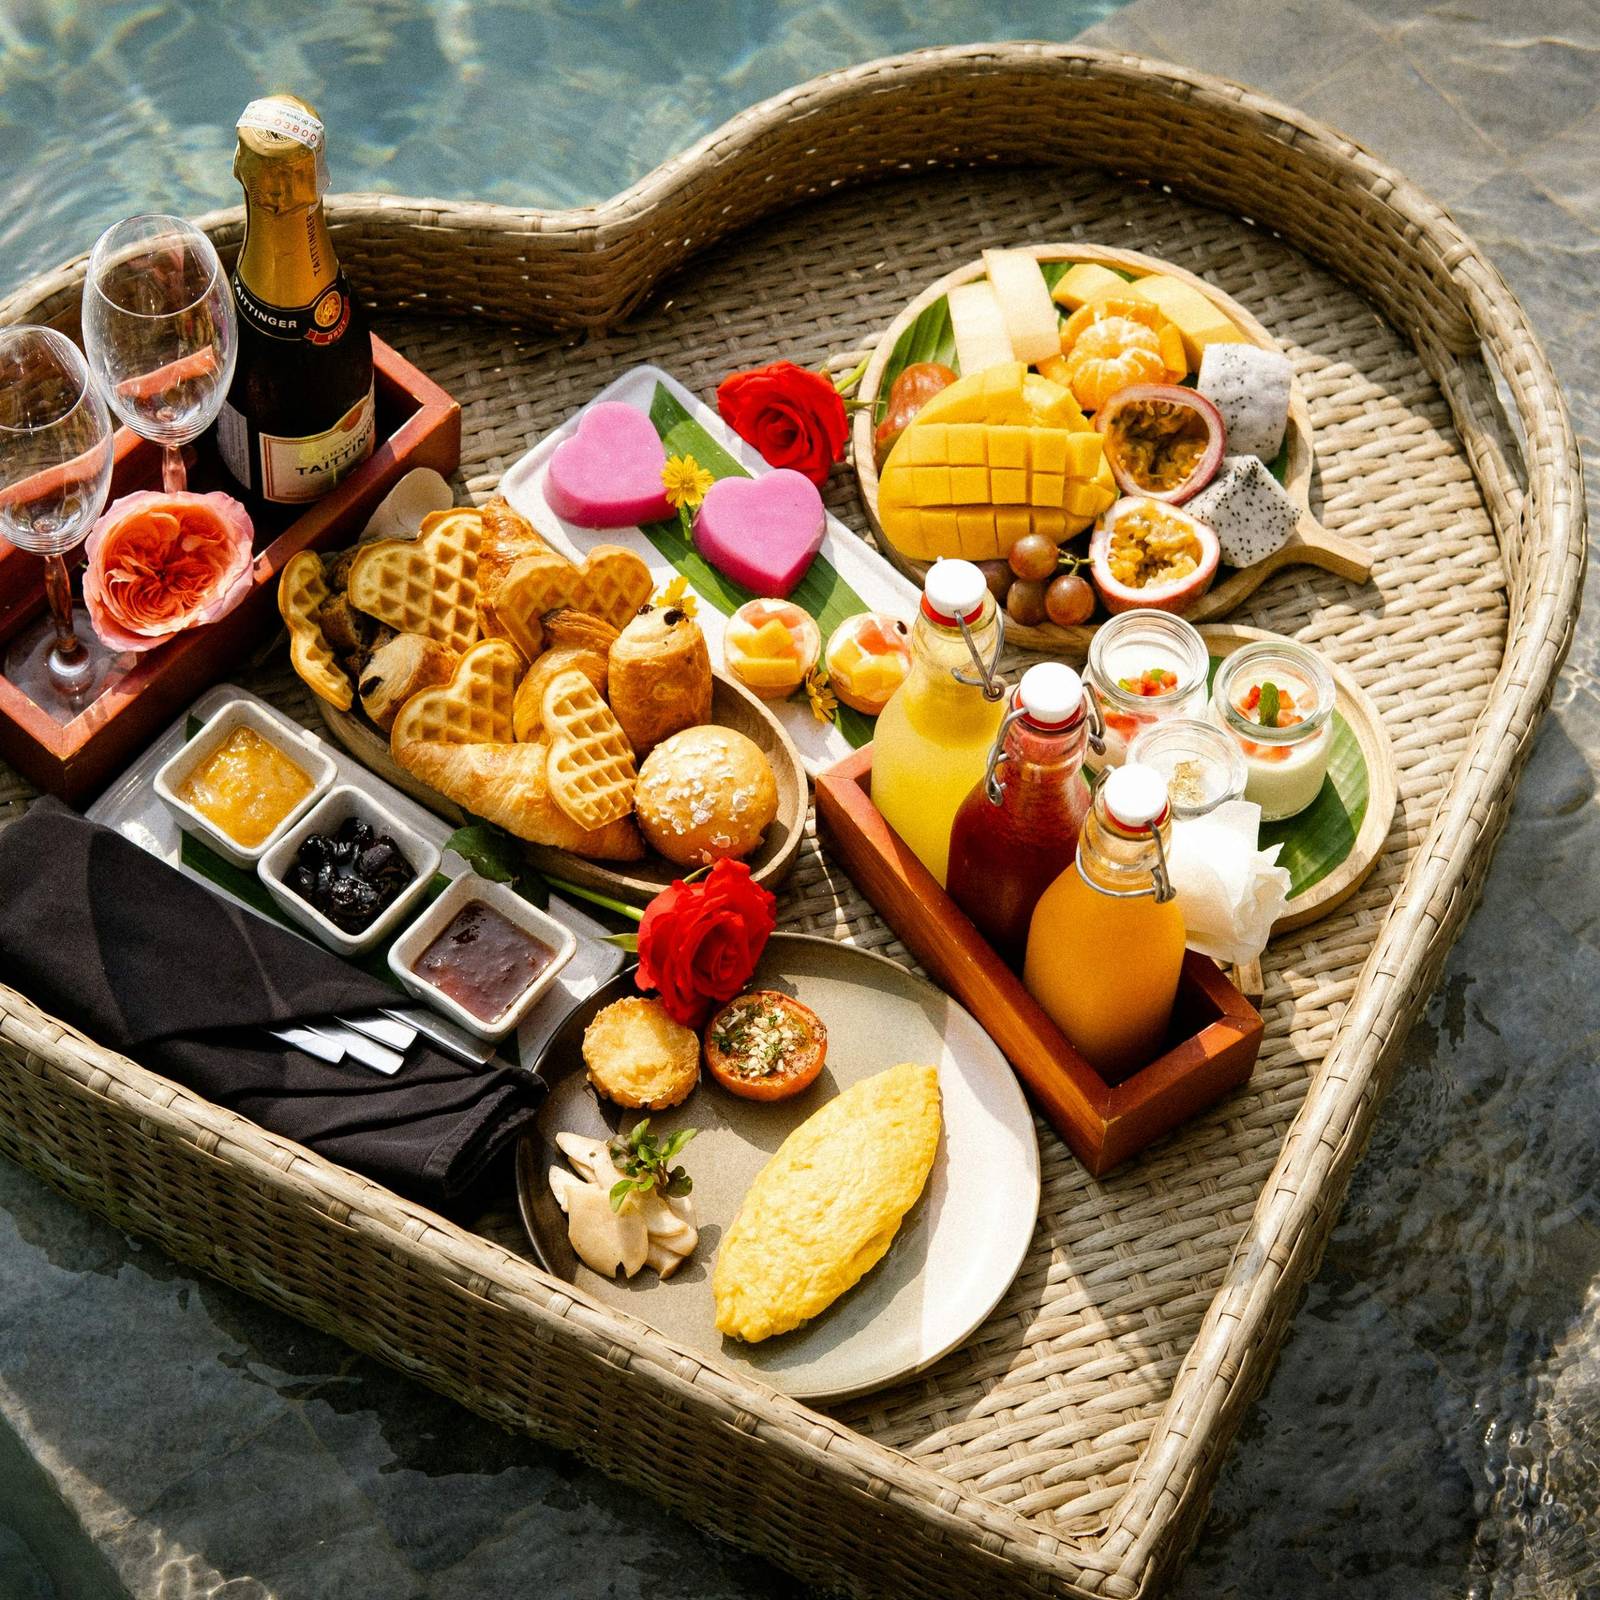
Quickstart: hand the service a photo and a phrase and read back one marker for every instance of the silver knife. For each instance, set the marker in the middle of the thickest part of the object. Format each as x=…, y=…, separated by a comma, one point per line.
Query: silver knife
x=396, y=1035
x=464, y=1046
x=333, y=1043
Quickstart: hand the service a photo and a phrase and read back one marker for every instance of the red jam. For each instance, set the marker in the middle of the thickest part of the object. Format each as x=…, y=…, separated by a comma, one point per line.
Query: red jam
x=483, y=960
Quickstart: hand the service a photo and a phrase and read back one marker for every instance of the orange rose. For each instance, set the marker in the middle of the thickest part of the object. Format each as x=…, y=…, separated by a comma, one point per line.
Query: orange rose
x=159, y=563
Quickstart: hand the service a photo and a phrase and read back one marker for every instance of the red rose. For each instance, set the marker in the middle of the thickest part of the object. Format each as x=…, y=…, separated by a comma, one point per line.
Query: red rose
x=699, y=942
x=793, y=417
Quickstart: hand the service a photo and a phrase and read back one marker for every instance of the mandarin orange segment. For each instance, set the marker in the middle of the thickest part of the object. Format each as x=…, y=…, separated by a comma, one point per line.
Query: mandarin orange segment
x=1116, y=341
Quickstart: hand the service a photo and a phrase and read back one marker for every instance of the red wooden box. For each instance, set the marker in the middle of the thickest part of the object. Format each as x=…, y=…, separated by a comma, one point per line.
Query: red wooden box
x=1216, y=1032
x=419, y=425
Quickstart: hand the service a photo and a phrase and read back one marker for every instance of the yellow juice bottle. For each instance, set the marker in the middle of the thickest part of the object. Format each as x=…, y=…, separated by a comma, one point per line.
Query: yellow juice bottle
x=932, y=739
x=1104, y=948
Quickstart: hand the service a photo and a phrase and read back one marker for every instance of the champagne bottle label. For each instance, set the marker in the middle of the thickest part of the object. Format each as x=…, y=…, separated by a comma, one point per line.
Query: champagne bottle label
x=296, y=470
x=321, y=322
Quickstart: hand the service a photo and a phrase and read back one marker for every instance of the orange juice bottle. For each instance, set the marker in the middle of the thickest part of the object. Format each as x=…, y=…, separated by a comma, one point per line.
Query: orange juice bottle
x=1105, y=946
x=932, y=740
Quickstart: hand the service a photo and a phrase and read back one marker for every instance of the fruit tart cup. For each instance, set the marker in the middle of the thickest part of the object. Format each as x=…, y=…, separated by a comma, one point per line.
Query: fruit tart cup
x=770, y=646
x=868, y=658
x=337, y=806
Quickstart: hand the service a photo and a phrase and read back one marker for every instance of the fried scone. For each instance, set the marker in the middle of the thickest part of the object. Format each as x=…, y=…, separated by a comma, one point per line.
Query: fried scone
x=639, y=1057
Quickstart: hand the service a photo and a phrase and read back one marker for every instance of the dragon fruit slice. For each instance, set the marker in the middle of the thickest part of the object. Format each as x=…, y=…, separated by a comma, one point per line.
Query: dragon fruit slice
x=1248, y=509
x=1250, y=387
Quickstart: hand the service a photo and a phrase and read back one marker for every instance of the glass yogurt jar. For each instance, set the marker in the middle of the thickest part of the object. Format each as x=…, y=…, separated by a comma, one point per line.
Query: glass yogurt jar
x=1276, y=699
x=1144, y=666
x=1203, y=766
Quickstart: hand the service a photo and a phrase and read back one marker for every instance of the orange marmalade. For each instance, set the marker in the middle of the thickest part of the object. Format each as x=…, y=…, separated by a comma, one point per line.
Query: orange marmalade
x=245, y=787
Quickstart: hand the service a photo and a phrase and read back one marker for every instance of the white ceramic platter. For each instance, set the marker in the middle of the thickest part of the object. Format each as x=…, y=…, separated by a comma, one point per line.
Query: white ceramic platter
x=879, y=586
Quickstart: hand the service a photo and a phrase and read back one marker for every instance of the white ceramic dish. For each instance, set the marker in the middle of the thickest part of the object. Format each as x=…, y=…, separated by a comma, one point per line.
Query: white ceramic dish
x=342, y=801
x=129, y=805
x=403, y=953
x=302, y=747
x=879, y=586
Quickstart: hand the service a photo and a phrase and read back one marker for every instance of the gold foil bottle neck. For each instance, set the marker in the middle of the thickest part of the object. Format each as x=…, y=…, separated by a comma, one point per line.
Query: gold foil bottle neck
x=279, y=160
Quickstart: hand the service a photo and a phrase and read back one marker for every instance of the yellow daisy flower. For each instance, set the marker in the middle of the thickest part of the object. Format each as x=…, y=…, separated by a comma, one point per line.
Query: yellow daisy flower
x=821, y=697
x=679, y=596
x=685, y=481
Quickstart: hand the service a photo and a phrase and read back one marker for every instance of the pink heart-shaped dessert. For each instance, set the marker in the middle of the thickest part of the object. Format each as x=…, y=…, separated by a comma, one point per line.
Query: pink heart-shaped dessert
x=608, y=474
x=762, y=532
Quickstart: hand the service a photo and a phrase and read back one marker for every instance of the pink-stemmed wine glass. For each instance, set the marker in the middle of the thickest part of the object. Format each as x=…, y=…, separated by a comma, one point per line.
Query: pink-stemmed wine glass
x=159, y=329
x=55, y=471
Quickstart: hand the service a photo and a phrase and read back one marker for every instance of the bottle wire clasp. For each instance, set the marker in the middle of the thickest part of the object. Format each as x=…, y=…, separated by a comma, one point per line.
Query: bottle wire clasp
x=988, y=678
x=997, y=754
x=1160, y=877
x=1096, y=719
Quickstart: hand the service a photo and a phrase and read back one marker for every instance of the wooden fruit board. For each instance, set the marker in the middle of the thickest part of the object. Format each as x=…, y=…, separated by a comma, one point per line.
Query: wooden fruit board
x=633, y=881
x=1309, y=545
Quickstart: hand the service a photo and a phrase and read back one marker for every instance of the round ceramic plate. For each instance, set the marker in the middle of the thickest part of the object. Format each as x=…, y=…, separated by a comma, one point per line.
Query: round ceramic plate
x=922, y=333
x=959, y=1246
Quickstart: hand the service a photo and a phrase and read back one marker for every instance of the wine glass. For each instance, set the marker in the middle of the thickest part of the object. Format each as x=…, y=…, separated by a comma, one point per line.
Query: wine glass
x=158, y=324
x=55, y=470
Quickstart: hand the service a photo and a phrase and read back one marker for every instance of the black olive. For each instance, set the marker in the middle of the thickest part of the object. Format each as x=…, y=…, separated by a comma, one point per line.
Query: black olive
x=378, y=858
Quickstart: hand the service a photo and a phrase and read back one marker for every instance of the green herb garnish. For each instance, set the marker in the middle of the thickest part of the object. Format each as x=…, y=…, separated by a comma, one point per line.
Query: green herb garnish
x=643, y=1158
x=1269, y=705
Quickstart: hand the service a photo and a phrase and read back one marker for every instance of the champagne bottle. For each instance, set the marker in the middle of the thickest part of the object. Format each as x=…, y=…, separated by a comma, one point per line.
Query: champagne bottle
x=299, y=415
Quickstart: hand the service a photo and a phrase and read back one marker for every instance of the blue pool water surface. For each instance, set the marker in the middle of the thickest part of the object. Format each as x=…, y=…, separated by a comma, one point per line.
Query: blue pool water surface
x=110, y=107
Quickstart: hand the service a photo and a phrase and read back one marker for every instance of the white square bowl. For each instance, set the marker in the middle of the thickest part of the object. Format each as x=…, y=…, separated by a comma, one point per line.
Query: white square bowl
x=504, y=899
x=299, y=744
x=339, y=803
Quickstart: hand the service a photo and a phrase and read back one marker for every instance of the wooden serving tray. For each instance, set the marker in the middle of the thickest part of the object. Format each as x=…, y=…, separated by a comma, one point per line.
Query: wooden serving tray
x=1216, y=1031
x=636, y=881
x=419, y=425
x=1309, y=545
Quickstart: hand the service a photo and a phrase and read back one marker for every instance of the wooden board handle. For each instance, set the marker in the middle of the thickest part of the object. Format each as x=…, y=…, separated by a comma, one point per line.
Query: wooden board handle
x=1328, y=551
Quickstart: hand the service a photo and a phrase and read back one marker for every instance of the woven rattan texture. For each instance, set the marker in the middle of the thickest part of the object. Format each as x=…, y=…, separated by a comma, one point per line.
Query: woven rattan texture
x=1070, y=1447
x=1047, y=1408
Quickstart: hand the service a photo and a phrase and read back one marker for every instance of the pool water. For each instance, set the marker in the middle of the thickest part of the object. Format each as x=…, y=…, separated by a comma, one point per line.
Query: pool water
x=111, y=107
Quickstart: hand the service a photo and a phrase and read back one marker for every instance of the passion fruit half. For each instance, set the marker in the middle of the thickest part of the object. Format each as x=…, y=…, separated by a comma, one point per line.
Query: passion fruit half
x=1162, y=441
x=1149, y=555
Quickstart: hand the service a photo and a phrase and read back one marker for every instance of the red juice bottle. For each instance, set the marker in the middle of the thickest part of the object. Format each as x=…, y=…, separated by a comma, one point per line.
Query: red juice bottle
x=1017, y=830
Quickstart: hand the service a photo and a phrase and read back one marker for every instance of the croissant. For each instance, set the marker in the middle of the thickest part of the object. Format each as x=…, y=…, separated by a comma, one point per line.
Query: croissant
x=507, y=537
x=660, y=677
x=506, y=784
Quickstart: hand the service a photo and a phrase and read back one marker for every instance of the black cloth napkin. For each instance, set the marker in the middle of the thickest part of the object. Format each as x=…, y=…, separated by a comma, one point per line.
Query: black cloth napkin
x=148, y=962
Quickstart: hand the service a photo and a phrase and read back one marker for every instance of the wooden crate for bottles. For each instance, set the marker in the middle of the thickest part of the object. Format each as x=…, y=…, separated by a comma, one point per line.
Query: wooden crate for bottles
x=1216, y=1032
x=419, y=425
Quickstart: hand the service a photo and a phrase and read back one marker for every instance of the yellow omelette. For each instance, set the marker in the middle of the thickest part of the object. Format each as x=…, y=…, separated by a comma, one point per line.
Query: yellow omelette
x=826, y=1207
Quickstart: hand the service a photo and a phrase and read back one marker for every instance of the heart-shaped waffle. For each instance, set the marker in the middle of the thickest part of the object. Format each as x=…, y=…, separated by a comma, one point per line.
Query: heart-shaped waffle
x=611, y=583
x=590, y=770
x=426, y=585
x=473, y=708
x=302, y=589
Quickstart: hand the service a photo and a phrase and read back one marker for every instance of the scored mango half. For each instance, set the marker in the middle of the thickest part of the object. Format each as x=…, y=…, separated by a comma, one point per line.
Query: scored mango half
x=995, y=455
